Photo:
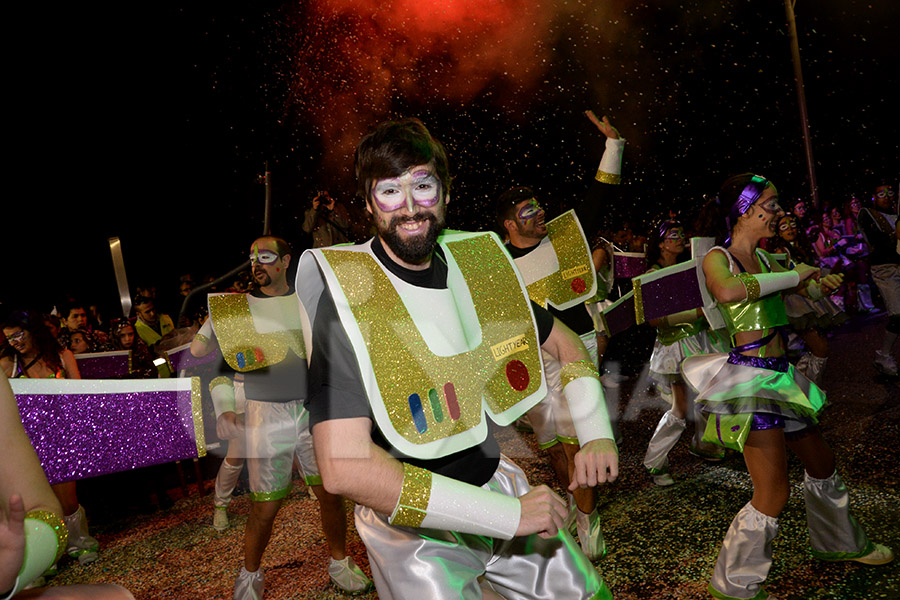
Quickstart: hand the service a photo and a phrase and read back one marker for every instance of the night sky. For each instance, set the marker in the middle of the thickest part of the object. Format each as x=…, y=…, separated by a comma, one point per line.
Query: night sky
x=152, y=123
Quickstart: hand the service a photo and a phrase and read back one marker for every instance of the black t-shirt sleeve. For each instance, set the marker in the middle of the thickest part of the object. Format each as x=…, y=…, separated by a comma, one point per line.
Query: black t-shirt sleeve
x=544, y=321
x=335, y=385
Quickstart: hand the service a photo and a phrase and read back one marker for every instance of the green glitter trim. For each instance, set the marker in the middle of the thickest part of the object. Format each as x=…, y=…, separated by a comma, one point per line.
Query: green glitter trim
x=269, y=496
x=567, y=440
x=197, y=413
x=751, y=284
x=201, y=338
x=550, y=444
x=577, y=370
x=760, y=595
x=221, y=380
x=414, y=497
x=638, y=301
x=313, y=480
x=56, y=524
x=838, y=556
x=610, y=178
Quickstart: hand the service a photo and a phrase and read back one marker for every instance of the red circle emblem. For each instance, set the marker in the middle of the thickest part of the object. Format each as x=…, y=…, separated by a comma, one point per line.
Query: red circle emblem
x=578, y=285
x=517, y=375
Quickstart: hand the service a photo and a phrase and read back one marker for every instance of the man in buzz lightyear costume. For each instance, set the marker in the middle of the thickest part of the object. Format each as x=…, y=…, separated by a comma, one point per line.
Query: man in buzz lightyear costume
x=261, y=337
x=555, y=261
x=417, y=338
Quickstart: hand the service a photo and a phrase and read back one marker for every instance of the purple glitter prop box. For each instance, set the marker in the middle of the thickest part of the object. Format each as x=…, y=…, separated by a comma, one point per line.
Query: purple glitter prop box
x=84, y=428
x=104, y=365
x=667, y=291
x=180, y=357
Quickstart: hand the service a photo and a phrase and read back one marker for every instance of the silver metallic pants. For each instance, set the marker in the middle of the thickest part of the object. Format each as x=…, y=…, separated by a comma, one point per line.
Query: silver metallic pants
x=429, y=563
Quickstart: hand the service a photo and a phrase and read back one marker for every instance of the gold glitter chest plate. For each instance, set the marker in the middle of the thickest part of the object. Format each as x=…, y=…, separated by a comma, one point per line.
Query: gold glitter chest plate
x=243, y=346
x=575, y=280
x=429, y=405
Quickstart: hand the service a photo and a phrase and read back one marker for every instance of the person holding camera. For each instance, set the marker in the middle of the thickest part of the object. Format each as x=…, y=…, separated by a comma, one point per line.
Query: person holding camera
x=327, y=221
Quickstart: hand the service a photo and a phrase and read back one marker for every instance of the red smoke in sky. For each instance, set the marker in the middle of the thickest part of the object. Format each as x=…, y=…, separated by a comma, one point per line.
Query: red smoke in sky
x=360, y=61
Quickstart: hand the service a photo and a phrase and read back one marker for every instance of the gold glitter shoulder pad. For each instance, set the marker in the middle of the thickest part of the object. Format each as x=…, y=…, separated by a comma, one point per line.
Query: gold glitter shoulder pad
x=574, y=281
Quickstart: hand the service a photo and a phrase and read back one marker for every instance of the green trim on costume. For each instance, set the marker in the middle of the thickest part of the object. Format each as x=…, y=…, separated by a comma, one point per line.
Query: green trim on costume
x=269, y=496
x=603, y=593
x=751, y=285
x=565, y=439
x=201, y=338
x=312, y=480
x=550, y=444
x=838, y=556
x=576, y=370
x=760, y=595
x=197, y=413
x=655, y=471
x=610, y=178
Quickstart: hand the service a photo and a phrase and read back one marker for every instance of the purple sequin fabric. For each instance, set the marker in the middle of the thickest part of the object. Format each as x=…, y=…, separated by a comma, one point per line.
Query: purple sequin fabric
x=89, y=434
x=105, y=366
x=772, y=363
x=766, y=421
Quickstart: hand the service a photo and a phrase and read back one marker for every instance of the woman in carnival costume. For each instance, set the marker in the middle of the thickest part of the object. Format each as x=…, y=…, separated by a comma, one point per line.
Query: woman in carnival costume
x=678, y=335
x=759, y=404
x=34, y=353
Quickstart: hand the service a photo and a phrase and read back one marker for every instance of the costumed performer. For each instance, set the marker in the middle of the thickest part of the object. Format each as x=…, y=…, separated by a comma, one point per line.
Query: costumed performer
x=761, y=405
x=415, y=338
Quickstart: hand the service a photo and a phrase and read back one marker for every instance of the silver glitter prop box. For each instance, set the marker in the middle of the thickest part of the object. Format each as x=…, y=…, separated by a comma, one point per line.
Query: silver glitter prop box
x=83, y=428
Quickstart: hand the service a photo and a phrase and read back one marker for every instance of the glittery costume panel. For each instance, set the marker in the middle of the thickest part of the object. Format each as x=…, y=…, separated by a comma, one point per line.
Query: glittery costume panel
x=433, y=361
x=559, y=272
x=435, y=564
x=83, y=428
x=726, y=388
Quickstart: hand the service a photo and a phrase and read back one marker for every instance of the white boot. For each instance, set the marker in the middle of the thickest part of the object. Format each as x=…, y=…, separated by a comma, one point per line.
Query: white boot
x=589, y=534
x=226, y=480
x=81, y=546
x=664, y=438
x=746, y=555
x=815, y=368
x=833, y=532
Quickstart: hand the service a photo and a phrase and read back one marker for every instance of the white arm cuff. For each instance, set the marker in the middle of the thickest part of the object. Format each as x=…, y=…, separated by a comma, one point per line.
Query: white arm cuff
x=814, y=289
x=455, y=506
x=763, y=284
x=222, y=393
x=588, y=408
x=611, y=163
x=41, y=544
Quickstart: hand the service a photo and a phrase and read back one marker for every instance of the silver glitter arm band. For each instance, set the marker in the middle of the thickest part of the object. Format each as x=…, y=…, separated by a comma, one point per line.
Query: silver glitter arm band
x=584, y=394
x=433, y=501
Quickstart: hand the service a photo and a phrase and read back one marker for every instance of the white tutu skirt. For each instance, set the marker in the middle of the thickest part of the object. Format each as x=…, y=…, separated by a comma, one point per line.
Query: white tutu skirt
x=725, y=388
x=665, y=362
x=804, y=313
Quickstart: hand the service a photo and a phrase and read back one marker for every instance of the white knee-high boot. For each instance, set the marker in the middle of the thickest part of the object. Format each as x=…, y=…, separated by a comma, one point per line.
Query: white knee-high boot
x=664, y=439
x=226, y=480
x=746, y=556
x=833, y=532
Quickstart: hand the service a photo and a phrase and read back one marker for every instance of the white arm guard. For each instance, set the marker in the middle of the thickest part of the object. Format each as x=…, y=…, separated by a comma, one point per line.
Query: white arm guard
x=581, y=386
x=437, y=502
x=764, y=284
x=610, y=168
x=222, y=391
x=42, y=546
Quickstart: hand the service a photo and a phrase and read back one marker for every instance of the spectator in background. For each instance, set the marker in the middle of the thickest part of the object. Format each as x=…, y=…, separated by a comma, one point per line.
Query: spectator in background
x=81, y=342
x=150, y=325
x=74, y=316
x=327, y=221
x=124, y=338
x=801, y=211
x=96, y=321
x=879, y=226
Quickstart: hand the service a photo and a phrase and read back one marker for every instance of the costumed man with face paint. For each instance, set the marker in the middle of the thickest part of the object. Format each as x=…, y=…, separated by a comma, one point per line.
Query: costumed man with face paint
x=555, y=261
x=261, y=338
x=419, y=336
